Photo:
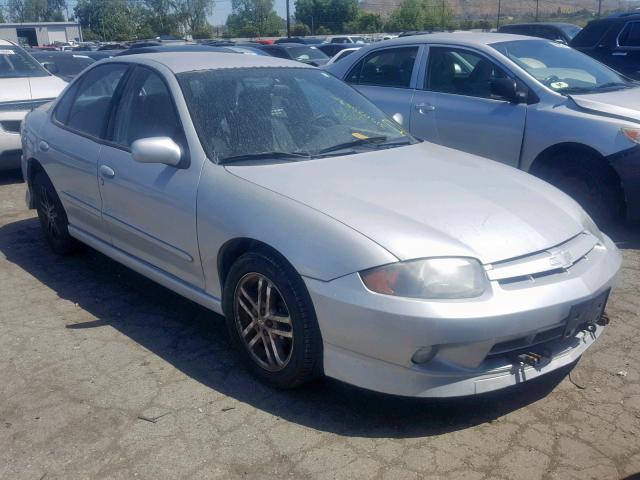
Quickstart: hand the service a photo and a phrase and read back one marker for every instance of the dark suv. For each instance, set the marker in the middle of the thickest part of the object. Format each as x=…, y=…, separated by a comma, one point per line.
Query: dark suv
x=559, y=32
x=614, y=41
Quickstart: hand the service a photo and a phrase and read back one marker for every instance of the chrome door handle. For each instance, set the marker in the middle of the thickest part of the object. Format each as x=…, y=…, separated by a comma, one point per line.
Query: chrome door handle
x=423, y=108
x=44, y=146
x=107, y=171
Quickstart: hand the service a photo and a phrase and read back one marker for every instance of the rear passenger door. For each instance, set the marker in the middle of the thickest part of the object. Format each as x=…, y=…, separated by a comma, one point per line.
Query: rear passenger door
x=72, y=141
x=625, y=54
x=387, y=77
x=455, y=106
x=150, y=208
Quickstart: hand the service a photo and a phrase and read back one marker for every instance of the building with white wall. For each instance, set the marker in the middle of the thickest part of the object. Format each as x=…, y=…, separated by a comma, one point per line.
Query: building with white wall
x=41, y=33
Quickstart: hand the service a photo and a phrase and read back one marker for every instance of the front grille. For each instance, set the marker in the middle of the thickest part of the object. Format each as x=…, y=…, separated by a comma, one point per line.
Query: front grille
x=528, y=341
x=12, y=126
x=23, y=105
x=556, y=260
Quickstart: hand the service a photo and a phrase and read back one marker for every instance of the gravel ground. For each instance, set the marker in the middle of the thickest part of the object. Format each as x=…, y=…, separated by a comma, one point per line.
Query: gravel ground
x=104, y=374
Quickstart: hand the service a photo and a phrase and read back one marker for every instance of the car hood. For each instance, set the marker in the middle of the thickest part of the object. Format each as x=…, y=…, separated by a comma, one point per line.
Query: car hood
x=620, y=103
x=33, y=88
x=426, y=200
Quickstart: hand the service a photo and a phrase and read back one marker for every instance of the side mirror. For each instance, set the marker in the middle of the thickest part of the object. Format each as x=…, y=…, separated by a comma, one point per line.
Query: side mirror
x=399, y=119
x=506, y=88
x=156, y=150
x=52, y=68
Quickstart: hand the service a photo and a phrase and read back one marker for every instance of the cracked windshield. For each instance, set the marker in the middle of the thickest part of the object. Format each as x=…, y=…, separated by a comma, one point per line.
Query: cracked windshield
x=283, y=114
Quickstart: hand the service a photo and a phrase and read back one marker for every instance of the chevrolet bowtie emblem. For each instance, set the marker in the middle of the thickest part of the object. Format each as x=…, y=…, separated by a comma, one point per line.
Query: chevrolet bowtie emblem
x=561, y=259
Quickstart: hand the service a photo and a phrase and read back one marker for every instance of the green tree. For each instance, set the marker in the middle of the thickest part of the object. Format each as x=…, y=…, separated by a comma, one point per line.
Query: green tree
x=109, y=19
x=421, y=15
x=300, y=30
x=254, y=18
x=332, y=15
x=36, y=10
x=365, y=23
x=192, y=14
x=158, y=18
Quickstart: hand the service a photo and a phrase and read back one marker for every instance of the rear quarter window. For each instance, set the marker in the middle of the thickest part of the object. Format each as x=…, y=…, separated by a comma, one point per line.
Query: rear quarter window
x=591, y=35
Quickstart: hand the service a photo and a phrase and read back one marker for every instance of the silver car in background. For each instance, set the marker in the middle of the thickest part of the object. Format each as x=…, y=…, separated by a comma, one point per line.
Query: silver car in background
x=530, y=103
x=332, y=241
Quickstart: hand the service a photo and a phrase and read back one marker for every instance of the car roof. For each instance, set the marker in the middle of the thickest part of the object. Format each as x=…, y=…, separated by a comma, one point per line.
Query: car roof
x=5, y=42
x=179, y=62
x=543, y=24
x=191, y=47
x=617, y=18
x=459, y=38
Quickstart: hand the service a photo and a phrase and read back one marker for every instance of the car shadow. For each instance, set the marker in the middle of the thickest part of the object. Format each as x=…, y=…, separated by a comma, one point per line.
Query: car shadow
x=10, y=177
x=194, y=340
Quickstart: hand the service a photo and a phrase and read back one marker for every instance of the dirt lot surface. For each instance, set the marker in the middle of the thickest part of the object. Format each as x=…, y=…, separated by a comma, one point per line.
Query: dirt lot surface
x=104, y=374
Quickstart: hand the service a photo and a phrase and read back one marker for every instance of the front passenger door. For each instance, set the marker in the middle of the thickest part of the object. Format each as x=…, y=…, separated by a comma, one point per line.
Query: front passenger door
x=456, y=108
x=150, y=208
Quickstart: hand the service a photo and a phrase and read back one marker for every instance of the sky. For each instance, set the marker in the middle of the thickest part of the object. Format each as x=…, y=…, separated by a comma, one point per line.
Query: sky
x=223, y=8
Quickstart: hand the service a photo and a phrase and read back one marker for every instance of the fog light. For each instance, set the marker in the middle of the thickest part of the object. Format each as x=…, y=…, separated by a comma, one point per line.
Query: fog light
x=424, y=354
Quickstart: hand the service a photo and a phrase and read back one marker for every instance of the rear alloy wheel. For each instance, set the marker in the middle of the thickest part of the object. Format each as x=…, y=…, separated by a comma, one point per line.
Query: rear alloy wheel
x=53, y=218
x=271, y=320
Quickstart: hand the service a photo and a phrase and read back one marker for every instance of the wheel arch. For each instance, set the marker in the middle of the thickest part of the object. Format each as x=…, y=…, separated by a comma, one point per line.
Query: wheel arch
x=233, y=249
x=543, y=164
x=33, y=167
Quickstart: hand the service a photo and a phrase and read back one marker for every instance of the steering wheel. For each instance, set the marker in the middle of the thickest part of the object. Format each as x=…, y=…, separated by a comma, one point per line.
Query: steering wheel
x=325, y=121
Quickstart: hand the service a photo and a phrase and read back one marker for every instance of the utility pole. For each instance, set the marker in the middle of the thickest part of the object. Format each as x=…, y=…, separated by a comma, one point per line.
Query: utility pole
x=443, y=7
x=537, y=9
x=599, y=8
x=499, y=9
x=288, y=21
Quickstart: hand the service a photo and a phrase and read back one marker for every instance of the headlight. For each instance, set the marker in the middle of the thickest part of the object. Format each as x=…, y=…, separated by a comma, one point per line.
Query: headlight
x=632, y=134
x=590, y=226
x=431, y=278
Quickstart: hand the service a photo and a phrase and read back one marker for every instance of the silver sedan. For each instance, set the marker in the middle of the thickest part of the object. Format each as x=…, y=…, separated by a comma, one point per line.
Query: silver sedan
x=332, y=241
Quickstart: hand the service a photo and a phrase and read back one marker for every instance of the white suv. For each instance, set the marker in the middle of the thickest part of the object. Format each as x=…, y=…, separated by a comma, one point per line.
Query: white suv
x=24, y=85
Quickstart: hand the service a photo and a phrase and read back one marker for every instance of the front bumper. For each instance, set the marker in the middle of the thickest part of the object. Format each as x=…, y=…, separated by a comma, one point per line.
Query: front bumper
x=627, y=164
x=10, y=145
x=369, y=339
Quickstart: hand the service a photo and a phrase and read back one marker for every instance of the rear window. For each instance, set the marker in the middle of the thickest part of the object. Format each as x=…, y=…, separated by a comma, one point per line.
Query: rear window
x=590, y=35
x=15, y=62
x=630, y=35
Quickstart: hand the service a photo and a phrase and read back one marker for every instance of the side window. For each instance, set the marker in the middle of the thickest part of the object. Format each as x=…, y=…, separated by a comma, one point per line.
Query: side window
x=550, y=34
x=89, y=110
x=145, y=110
x=460, y=72
x=386, y=68
x=277, y=52
x=630, y=35
x=61, y=113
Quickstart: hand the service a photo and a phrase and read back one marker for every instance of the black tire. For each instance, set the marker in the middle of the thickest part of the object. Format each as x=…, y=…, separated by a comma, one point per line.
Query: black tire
x=53, y=218
x=305, y=358
x=589, y=183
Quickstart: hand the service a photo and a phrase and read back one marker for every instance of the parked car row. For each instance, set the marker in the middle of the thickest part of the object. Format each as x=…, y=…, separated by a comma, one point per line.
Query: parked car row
x=334, y=241
x=530, y=103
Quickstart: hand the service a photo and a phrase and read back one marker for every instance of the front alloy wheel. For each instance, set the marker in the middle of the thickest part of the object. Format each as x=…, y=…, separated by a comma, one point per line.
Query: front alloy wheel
x=271, y=320
x=263, y=321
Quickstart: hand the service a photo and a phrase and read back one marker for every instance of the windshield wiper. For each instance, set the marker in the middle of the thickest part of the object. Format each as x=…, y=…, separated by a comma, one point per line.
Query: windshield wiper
x=597, y=88
x=264, y=156
x=395, y=142
x=611, y=85
x=353, y=143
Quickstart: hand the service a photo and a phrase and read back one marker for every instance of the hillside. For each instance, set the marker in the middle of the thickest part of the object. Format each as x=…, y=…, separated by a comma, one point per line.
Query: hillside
x=475, y=9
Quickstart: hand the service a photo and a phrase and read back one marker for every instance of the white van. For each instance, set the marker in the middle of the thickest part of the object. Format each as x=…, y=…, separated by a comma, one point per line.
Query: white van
x=24, y=85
